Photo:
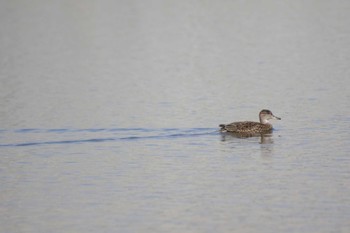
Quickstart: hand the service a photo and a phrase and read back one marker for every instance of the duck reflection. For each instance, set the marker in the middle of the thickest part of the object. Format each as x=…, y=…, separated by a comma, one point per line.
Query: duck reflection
x=265, y=138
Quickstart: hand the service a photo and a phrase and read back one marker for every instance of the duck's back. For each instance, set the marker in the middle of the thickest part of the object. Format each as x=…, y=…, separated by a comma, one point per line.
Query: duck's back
x=246, y=127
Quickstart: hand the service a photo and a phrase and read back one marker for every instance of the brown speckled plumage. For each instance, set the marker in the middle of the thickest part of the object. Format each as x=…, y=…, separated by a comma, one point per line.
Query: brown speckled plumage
x=250, y=127
x=246, y=127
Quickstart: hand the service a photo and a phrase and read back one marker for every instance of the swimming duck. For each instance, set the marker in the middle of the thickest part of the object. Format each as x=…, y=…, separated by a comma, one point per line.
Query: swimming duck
x=250, y=127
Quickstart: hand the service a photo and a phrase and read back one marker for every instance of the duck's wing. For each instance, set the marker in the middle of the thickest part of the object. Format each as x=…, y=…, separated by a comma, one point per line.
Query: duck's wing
x=241, y=127
x=249, y=127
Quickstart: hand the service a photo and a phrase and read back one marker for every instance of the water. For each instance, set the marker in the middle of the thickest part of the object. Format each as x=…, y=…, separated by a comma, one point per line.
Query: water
x=109, y=113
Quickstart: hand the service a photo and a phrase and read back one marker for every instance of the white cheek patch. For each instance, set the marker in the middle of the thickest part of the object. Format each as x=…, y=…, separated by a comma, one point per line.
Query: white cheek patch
x=264, y=121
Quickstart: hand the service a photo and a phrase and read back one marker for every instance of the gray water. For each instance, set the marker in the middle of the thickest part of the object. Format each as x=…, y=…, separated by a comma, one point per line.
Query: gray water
x=109, y=114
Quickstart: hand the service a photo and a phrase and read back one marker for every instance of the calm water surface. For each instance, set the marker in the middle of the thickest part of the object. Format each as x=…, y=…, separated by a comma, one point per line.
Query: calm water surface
x=109, y=114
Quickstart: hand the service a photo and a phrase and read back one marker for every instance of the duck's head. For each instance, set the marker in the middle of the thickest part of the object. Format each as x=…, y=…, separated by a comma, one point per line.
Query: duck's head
x=266, y=115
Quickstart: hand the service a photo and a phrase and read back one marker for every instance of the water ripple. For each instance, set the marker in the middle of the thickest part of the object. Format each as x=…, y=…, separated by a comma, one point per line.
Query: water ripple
x=24, y=137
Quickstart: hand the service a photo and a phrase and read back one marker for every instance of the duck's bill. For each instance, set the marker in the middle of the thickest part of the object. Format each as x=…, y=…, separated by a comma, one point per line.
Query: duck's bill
x=277, y=118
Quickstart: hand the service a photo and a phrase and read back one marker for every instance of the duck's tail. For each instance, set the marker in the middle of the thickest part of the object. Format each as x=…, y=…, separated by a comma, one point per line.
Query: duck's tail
x=223, y=128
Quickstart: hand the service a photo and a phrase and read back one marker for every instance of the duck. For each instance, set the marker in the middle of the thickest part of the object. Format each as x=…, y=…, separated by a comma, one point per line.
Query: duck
x=251, y=127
